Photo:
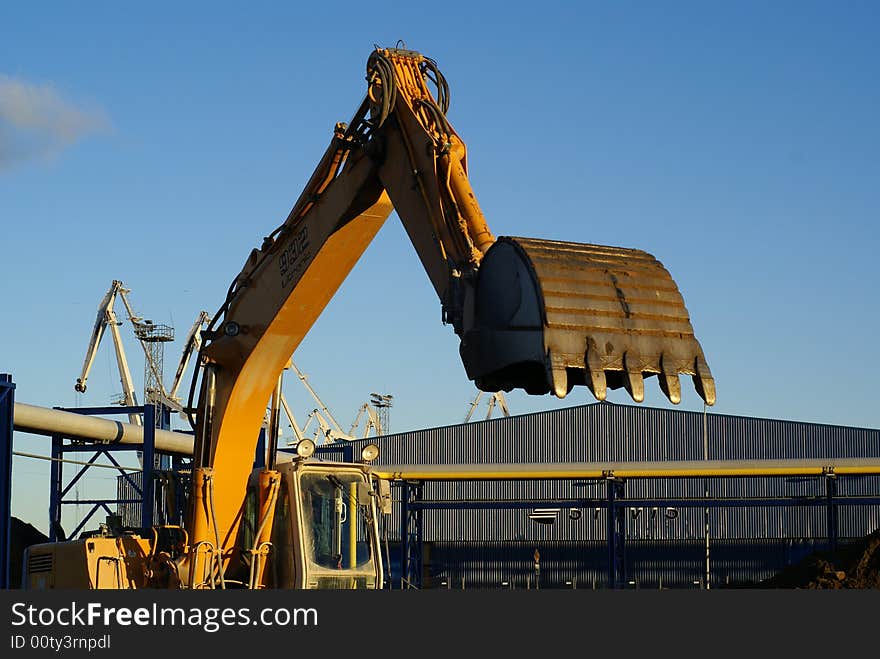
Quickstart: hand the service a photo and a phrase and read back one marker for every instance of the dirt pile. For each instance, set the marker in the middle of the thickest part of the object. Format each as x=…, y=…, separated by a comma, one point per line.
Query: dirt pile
x=22, y=535
x=856, y=565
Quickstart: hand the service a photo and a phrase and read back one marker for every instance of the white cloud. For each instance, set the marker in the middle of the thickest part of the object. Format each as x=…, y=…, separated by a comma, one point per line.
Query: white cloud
x=36, y=122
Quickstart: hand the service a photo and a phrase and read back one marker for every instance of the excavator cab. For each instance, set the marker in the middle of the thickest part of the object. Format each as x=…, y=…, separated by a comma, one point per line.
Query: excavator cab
x=324, y=530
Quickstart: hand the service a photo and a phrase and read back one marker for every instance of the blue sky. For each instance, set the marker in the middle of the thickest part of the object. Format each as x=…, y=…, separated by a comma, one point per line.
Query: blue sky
x=737, y=142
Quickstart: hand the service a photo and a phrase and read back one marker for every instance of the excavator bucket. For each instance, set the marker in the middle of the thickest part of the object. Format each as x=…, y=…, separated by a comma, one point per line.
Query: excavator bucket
x=549, y=315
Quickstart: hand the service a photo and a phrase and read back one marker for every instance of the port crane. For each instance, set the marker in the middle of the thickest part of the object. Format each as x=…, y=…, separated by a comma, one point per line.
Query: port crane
x=326, y=424
x=495, y=399
x=327, y=427
x=107, y=319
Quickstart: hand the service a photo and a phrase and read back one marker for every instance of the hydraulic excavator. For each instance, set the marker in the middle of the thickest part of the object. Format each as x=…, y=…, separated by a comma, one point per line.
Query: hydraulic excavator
x=539, y=315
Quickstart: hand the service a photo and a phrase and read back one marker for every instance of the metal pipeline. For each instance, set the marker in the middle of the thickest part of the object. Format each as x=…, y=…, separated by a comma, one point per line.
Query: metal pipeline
x=652, y=469
x=46, y=421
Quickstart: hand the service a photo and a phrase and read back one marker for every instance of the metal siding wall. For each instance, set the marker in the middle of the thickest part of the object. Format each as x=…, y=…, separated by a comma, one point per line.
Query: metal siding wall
x=486, y=547
x=129, y=512
x=613, y=432
x=650, y=565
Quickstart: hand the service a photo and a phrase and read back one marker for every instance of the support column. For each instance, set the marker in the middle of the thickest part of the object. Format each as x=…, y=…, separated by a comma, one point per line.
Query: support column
x=616, y=533
x=410, y=536
x=181, y=487
x=830, y=493
x=148, y=484
x=55, y=485
x=7, y=407
x=164, y=423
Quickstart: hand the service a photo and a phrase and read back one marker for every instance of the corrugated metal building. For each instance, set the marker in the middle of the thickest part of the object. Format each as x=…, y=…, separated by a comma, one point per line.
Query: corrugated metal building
x=664, y=546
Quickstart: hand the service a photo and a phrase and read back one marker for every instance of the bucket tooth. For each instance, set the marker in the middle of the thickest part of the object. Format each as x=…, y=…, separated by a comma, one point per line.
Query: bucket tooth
x=635, y=382
x=560, y=379
x=671, y=387
x=669, y=382
x=704, y=383
x=595, y=374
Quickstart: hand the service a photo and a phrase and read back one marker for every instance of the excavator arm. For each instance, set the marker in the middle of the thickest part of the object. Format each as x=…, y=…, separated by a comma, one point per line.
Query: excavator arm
x=532, y=314
x=538, y=315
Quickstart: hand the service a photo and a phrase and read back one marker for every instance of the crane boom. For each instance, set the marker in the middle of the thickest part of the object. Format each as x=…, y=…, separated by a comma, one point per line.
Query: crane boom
x=371, y=422
x=105, y=318
x=192, y=344
x=325, y=412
